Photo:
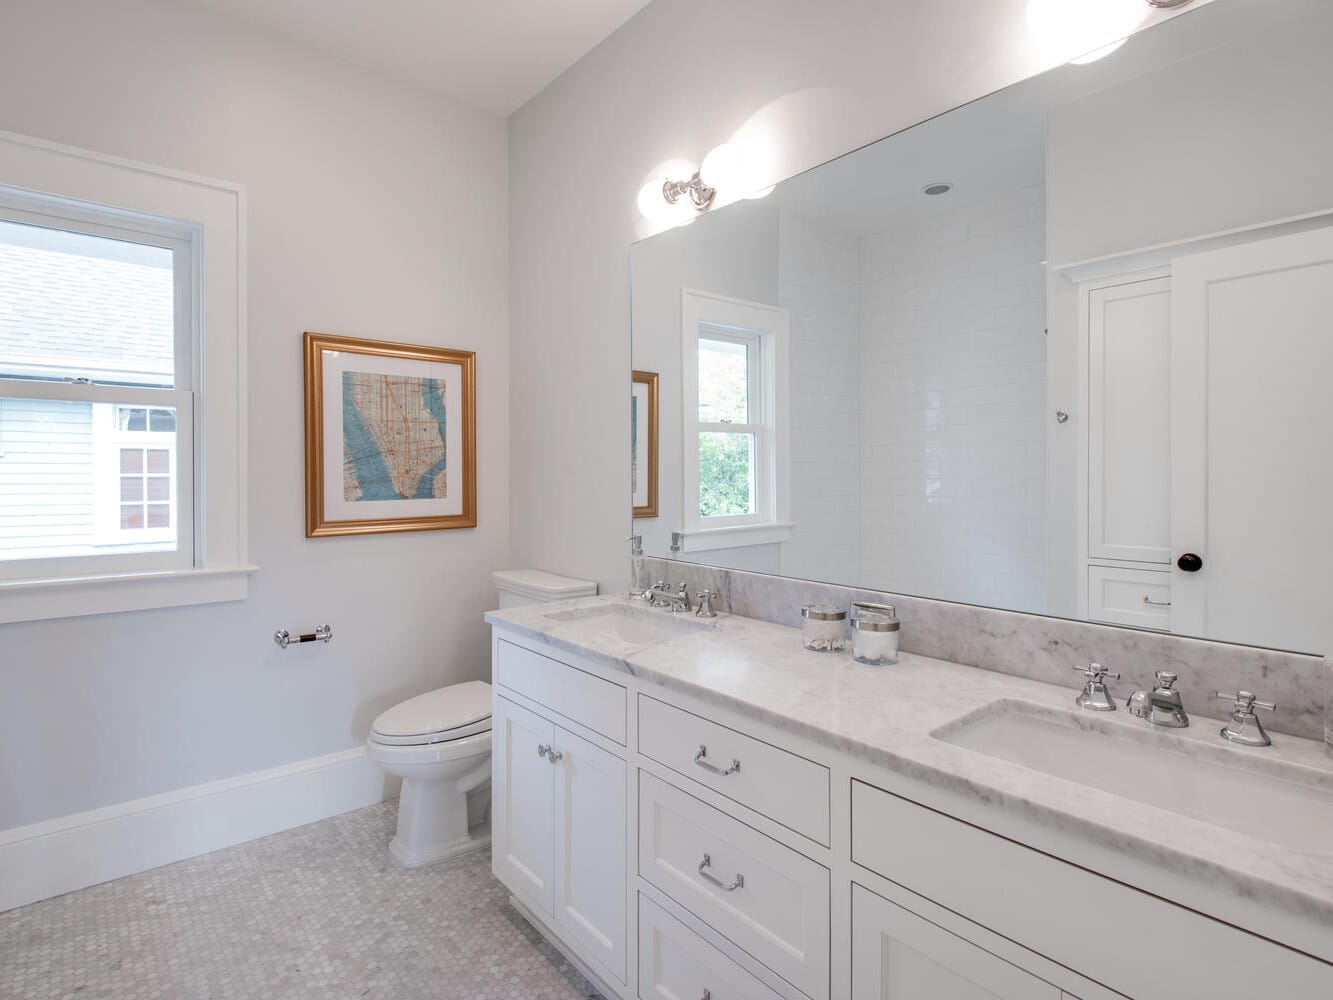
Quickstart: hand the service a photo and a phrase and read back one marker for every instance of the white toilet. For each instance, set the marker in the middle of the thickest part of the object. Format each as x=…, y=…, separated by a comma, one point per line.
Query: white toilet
x=439, y=743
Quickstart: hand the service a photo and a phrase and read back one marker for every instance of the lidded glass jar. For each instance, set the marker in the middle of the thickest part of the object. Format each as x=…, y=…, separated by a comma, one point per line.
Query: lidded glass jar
x=824, y=628
x=875, y=631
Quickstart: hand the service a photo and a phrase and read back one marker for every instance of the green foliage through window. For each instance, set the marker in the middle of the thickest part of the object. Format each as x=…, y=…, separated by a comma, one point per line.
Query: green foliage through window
x=726, y=474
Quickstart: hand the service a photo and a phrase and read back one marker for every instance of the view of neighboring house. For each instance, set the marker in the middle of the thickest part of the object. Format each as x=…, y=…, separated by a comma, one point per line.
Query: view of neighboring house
x=78, y=313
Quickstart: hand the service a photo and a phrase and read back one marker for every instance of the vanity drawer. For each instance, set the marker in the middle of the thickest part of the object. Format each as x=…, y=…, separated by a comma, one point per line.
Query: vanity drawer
x=674, y=962
x=1030, y=898
x=790, y=789
x=575, y=694
x=1138, y=597
x=760, y=894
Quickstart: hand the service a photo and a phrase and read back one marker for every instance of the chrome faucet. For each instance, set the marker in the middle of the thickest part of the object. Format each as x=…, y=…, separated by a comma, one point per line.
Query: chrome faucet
x=662, y=596
x=1162, y=705
x=1095, y=694
x=1245, y=727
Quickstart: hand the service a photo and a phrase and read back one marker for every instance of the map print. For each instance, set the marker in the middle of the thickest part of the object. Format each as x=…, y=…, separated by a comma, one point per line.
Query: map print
x=393, y=437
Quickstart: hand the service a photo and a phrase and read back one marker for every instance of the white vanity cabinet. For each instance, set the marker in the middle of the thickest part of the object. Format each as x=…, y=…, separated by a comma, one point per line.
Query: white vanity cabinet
x=558, y=818
x=523, y=803
x=898, y=955
x=1028, y=898
x=676, y=850
x=676, y=964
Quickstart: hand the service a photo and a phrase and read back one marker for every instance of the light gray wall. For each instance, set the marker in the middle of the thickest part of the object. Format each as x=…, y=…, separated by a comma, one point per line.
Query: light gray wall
x=375, y=210
x=816, y=80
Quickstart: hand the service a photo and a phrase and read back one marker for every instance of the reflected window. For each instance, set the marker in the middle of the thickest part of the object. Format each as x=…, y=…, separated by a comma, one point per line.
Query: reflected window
x=735, y=364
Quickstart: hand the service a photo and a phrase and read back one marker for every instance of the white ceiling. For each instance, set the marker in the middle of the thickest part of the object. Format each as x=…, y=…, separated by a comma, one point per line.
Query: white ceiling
x=492, y=54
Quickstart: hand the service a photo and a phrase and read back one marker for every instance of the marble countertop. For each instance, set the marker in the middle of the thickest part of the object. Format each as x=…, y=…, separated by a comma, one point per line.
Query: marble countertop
x=886, y=715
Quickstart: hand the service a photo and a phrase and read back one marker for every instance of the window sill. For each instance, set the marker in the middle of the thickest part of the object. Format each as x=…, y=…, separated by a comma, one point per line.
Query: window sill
x=73, y=597
x=708, y=539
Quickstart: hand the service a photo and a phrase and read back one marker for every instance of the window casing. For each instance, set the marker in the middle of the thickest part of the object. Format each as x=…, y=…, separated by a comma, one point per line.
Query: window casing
x=200, y=222
x=734, y=441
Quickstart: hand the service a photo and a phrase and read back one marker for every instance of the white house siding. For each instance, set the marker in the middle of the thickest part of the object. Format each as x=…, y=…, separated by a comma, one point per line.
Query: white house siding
x=46, y=476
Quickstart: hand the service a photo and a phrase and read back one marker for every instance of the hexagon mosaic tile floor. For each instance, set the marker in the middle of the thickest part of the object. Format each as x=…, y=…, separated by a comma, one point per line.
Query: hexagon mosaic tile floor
x=316, y=912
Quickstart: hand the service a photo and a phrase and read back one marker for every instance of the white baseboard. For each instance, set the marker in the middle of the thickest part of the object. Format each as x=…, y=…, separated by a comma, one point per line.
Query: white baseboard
x=72, y=852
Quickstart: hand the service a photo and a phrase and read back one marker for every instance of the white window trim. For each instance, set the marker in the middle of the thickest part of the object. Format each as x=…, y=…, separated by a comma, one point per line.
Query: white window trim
x=771, y=520
x=48, y=173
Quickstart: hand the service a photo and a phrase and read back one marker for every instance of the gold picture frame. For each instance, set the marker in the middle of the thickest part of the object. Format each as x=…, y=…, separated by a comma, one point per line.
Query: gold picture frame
x=404, y=418
x=643, y=443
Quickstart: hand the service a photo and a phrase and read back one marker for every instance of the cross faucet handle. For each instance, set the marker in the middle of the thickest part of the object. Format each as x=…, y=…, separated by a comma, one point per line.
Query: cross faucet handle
x=1094, y=694
x=1096, y=671
x=1245, y=727
x=1246, y=701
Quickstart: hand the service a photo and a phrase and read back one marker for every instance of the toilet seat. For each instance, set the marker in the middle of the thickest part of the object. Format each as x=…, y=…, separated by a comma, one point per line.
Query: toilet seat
x=444, y=715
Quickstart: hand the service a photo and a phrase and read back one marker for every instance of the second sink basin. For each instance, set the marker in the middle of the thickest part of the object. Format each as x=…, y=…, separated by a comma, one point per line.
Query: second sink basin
x=1232, y=788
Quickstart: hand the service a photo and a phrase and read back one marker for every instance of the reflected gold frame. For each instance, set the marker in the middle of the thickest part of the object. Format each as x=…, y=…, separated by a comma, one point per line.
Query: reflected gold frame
x=316, y=525
x=650, y=380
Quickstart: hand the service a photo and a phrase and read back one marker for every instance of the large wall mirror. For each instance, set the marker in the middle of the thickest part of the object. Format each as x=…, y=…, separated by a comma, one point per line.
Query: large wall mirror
x=1066, y=350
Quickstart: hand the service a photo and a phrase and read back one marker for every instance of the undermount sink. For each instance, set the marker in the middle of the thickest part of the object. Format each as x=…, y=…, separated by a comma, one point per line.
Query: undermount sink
x=634, y=624
x=1283, y=804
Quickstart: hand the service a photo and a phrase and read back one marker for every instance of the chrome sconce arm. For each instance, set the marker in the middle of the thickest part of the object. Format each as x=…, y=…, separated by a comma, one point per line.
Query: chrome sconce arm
x=700, y=194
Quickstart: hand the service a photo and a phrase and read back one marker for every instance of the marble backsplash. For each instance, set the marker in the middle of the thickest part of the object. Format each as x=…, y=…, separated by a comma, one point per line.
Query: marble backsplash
x=1034, y=646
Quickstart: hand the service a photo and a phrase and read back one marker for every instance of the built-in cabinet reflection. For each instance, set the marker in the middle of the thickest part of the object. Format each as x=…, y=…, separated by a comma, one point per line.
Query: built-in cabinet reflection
x=1088, y=378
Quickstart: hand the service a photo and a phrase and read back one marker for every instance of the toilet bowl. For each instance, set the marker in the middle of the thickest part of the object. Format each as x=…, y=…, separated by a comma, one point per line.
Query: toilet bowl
x=439, y=743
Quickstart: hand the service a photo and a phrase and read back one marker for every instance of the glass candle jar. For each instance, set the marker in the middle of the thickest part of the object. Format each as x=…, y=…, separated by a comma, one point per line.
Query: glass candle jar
x=875, y=637
x=824, y=628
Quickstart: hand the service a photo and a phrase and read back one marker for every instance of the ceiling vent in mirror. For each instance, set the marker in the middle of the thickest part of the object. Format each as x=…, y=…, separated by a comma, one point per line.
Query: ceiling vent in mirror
x=937, y=187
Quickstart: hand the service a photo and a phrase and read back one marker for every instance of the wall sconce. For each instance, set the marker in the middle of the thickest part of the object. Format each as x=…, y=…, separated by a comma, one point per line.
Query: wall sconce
x=728, y=172
x=700, y=194
x=723, y=168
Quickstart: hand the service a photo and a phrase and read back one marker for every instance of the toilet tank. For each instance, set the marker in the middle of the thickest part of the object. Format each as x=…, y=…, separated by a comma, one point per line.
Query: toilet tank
x=535, y=586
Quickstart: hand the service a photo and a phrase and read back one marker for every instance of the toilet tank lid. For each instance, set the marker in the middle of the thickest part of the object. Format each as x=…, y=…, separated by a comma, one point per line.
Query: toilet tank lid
x=542, y=586
x=436, y=711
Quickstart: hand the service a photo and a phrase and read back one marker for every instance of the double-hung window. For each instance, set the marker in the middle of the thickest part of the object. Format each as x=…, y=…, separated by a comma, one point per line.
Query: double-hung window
x=734, y=363
x=96, y=341
x=122, y=421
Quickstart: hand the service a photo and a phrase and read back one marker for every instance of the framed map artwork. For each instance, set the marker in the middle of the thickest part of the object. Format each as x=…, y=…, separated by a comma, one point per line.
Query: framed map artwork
x=390, y=437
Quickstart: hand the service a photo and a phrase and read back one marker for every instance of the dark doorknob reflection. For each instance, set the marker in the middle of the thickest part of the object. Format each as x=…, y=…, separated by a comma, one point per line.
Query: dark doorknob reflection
x=1190, y=563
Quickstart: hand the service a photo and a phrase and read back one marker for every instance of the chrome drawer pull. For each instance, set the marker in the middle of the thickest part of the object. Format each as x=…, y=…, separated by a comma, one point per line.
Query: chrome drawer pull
x=705, y=863
x=701, y=758
x=1155, y=604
